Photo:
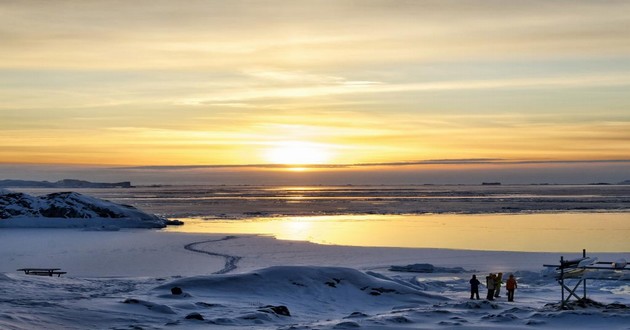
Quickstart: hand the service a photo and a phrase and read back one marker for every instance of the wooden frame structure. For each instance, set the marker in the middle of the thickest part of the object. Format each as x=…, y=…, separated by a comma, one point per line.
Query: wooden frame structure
x=576, y=268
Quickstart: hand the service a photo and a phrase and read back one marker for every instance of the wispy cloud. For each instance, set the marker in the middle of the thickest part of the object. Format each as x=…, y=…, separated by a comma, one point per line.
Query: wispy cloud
x=343, y=87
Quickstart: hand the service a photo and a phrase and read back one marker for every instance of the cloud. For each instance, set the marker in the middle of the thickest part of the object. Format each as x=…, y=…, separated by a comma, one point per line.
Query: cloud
x=342, y=87
x=322, y=34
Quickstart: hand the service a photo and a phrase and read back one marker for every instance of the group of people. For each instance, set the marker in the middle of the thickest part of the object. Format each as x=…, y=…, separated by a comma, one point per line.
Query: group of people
x=493, y=283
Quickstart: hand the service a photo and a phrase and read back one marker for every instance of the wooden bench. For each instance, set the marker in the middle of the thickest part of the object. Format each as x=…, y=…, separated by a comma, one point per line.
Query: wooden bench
x=42, y=271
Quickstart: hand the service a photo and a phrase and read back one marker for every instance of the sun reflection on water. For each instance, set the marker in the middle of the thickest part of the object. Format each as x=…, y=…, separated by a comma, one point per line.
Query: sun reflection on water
x=597, y=232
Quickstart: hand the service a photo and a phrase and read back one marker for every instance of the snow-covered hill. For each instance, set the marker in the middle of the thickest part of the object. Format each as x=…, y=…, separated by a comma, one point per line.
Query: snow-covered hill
x=70, y=209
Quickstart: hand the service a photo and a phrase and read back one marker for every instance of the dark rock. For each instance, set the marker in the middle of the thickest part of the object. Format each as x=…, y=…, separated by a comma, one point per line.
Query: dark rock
x=617, y=306
x=174, y=222
x=587, y=303
x=356, y=315
x=379, y=291
x=194, y=316
x=278, y=310
x=347, y=325
x=176, y=290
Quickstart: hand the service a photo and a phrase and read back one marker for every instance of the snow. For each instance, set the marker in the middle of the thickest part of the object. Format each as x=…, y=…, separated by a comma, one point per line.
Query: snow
x=120, y=277
x=123, y=279
x=70, y=209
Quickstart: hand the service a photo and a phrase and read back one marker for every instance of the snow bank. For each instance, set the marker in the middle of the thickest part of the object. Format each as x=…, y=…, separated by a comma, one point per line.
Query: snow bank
x=299, y=282
x=70, y=209
x=308, y=292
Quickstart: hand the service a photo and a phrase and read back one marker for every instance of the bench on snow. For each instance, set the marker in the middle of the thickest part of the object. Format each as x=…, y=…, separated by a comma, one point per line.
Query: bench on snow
x=42, y=271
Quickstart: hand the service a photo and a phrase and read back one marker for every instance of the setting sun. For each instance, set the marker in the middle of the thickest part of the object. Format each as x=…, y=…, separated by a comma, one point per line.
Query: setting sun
x=297, y=152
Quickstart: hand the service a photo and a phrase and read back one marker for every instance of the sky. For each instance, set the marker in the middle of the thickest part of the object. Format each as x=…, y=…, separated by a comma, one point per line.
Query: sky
x=409, y=91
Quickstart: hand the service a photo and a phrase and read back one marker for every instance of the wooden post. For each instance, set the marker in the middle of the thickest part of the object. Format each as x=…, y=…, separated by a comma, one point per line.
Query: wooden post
x=562, y=280
x=584, y=256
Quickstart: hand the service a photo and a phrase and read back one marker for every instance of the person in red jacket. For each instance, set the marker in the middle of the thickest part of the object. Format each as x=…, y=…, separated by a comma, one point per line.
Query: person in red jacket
x=510, y=286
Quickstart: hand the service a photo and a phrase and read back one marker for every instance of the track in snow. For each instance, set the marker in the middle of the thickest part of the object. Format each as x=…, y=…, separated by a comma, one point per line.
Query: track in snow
x=230, y=261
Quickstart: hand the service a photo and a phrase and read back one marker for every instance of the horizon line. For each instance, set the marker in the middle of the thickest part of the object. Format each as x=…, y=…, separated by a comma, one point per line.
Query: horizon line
x=465, y=161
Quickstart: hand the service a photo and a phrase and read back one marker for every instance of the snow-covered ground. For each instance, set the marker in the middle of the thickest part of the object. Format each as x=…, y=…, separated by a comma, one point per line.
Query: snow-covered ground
x=123, y=280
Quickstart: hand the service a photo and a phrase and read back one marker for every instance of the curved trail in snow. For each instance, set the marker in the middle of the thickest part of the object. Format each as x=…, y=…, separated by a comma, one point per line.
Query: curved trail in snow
x=230, y=261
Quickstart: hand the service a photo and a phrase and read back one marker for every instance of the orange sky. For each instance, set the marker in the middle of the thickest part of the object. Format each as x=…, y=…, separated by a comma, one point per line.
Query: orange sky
x=326, y=82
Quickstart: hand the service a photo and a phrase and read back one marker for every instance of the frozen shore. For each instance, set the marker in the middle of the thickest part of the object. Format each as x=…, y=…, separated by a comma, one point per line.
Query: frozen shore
x=122, y=279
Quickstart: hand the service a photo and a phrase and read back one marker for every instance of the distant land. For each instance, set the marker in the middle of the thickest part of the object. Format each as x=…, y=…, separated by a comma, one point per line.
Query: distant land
x=65, y=183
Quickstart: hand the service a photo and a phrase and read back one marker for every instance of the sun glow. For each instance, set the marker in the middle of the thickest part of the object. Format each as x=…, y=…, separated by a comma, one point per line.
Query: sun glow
x=298, y=153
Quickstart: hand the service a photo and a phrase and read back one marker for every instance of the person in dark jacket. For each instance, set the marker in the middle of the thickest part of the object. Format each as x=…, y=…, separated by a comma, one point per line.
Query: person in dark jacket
x=474, y=287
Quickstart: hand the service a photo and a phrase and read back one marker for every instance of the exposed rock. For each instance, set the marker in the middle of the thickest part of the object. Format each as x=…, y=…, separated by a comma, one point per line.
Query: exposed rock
x=176, y=290
x=278, y=310
x=72, y=205
x=174, y=222
x=194, y=316
x=356, y=315
x=586, y=303
x=379, y=291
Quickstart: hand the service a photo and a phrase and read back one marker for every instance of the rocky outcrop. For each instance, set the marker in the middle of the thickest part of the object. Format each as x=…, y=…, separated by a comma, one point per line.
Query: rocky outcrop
x=72, y=205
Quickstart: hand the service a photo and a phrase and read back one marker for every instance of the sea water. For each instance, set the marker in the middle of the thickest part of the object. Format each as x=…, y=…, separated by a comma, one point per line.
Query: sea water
x=537, y=232
x=479, y=217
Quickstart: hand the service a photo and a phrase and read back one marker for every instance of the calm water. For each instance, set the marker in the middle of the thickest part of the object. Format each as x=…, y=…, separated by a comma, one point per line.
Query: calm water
x=564, y=232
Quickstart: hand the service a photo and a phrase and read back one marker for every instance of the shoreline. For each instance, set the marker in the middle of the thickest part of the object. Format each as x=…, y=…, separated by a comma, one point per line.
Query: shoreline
x=531, y=232
x=105, y=253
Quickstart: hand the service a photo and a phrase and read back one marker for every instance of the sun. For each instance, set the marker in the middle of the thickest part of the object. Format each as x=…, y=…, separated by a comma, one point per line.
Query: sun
x=298, y=153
